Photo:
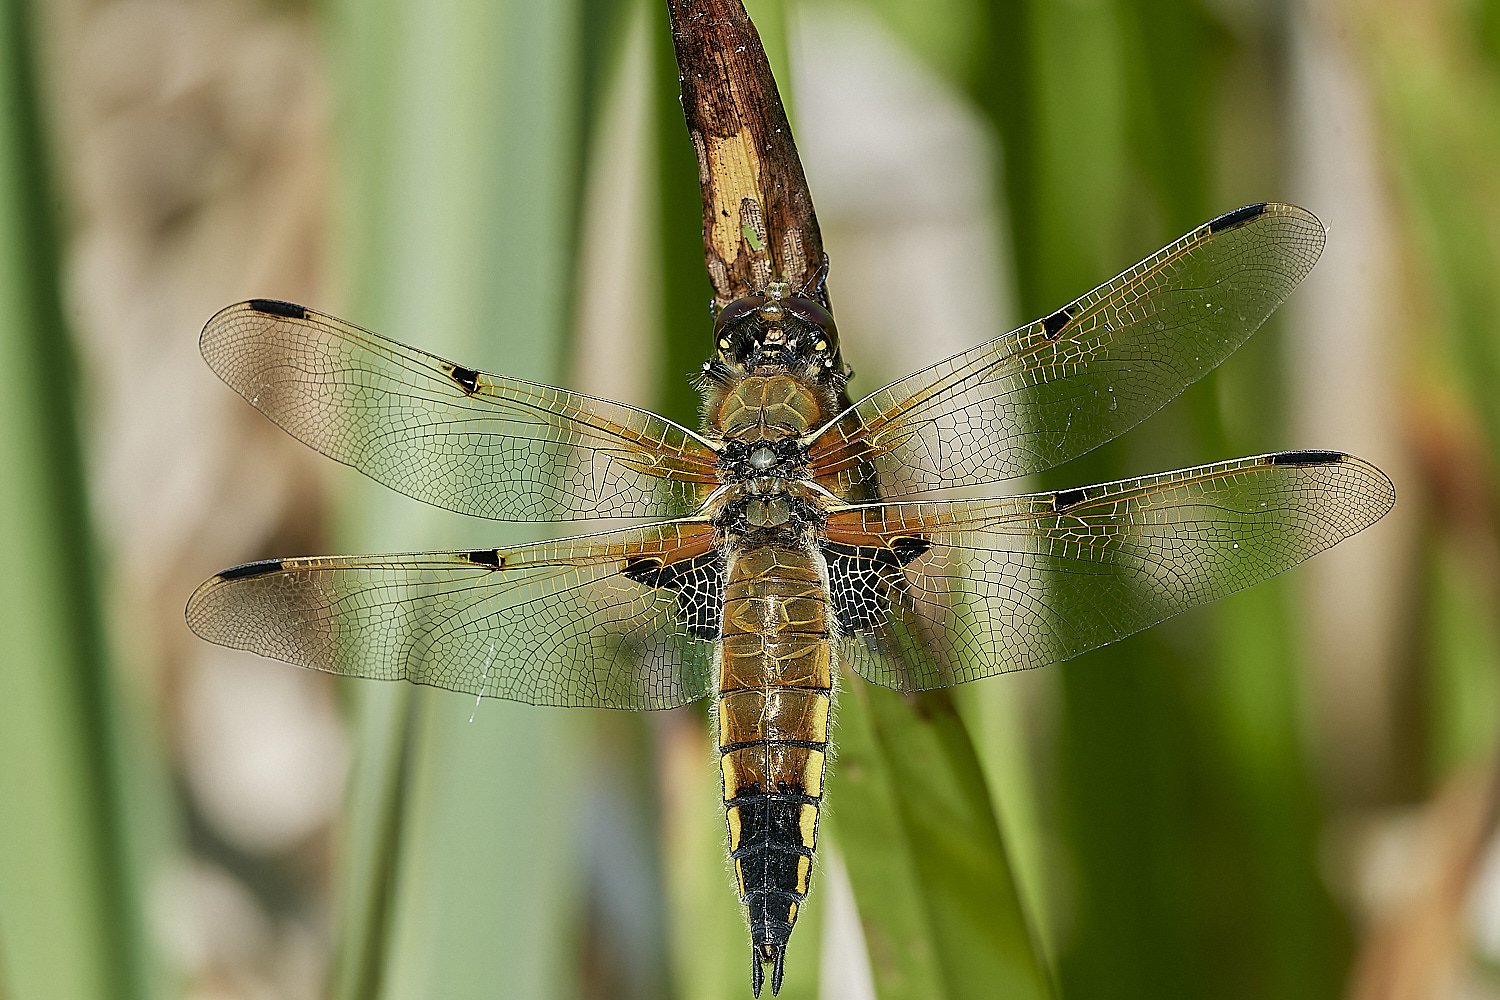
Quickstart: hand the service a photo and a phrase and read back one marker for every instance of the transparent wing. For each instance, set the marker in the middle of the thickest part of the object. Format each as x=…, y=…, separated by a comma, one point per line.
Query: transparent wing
x=475, y=443
x=932, y=594
x=1063, y=385
x=617, y=620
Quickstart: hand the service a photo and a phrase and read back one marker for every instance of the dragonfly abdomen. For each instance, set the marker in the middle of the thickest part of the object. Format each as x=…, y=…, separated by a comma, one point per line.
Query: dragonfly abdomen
x=773, y=703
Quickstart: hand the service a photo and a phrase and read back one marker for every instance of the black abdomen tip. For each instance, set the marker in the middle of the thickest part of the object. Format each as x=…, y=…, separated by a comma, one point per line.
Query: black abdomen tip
x=276, y=307
x=251, y=569
x=1240, y=215
x=1306, y=458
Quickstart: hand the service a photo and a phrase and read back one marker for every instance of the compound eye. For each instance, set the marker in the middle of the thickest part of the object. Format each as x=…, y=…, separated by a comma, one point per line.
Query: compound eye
x=735, y=312
x=814, y=314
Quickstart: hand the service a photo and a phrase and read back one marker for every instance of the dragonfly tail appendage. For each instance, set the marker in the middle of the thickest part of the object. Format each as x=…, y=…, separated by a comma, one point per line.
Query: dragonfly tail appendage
x=761, y=954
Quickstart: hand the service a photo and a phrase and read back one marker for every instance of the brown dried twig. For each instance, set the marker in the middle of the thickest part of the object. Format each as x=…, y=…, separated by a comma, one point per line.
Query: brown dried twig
x=758, y=219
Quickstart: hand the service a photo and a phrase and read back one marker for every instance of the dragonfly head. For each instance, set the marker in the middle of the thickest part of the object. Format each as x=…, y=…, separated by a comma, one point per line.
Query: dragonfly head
x=779, y=331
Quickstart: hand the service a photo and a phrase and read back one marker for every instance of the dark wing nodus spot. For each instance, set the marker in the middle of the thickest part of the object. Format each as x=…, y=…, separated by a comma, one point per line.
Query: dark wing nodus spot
x=276, y=307
x=700, y=591
x=1231, y=219
x=1064, y=499
x=251, y=569
x=487, y=557
x=467, y=378
x=1053, y=324
x=1306, y=458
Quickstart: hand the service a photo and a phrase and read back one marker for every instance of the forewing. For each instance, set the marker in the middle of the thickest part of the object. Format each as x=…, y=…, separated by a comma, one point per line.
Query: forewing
x=617, y=620
x=464, y=440
x=1063, y=385
x=931, y=594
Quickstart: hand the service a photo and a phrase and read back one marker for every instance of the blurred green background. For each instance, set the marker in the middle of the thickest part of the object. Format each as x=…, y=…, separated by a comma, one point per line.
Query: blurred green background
x=1288, y=794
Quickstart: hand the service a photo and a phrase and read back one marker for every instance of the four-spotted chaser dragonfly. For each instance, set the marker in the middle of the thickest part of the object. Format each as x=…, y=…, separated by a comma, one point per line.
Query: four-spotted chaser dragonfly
x=784, y=544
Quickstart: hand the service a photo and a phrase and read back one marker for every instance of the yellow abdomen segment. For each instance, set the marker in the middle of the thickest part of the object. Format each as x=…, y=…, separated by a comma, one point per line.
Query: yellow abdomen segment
x=775, y=688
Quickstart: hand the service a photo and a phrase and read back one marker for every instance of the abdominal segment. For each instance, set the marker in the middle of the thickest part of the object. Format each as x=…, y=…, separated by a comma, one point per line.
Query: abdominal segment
x=774, y=698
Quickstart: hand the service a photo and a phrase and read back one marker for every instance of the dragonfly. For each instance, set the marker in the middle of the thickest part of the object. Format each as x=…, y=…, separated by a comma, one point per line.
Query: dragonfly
x=795, y=534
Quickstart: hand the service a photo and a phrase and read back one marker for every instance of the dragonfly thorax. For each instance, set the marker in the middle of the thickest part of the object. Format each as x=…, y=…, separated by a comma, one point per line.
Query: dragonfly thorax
x=768, y=510
x=742, y=461
x=767, y=408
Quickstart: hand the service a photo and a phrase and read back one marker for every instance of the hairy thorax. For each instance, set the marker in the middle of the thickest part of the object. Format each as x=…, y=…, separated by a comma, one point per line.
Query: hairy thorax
x=767, y=407
x=763, y=421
